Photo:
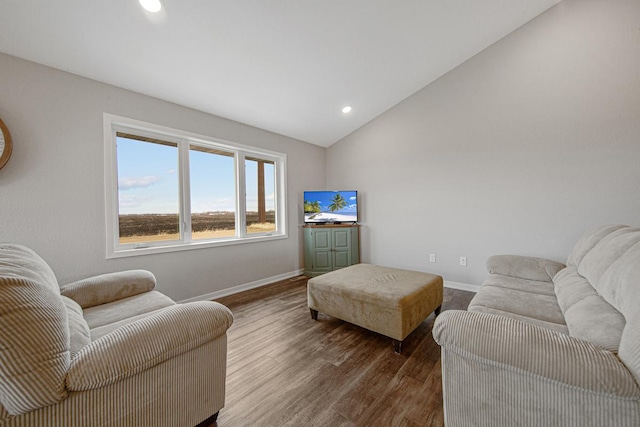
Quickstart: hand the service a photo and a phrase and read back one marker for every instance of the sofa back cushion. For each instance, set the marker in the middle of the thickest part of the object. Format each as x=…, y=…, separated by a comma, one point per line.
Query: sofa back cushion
x=601, y=266
x=587, y=242
x=34, y=333
x=622, y=283
x=608, y=258
x=629, y=351
x=587, y=315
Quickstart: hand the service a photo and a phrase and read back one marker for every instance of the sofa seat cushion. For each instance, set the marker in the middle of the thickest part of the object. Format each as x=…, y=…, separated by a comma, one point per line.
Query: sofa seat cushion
x=522, y=285
x=104, y=314
x=535, y=308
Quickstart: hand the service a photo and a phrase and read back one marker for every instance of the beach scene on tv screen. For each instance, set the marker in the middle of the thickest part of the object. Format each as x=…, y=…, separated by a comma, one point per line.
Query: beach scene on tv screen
x=330, y=206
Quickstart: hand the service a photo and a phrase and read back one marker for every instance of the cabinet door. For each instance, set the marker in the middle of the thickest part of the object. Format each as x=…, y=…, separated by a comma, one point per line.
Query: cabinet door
x=322, y=250
x=341, y=247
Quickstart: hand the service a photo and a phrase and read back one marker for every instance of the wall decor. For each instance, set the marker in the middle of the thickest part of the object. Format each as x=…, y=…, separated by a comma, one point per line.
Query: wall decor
x=6, y=145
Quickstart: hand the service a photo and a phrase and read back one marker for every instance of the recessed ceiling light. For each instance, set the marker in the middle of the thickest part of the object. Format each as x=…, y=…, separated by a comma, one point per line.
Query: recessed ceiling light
x=346, y=109
x=151, y=5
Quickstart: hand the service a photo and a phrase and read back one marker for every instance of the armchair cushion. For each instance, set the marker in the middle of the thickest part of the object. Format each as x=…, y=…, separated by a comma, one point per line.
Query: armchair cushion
x=524, y=267
x=20, y=262
x=34, y=338
x=100, y=331
x=147, y=342
x=105, y=314
x=79, y=334
x=109, y=287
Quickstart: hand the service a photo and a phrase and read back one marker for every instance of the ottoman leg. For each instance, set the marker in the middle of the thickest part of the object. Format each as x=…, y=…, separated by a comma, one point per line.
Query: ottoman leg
x=397, y=346
x=437, y=310
x=314, y=314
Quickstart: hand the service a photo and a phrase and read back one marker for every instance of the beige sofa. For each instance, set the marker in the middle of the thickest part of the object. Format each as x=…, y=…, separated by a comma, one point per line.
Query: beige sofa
x=105, y=351
x=547, y=345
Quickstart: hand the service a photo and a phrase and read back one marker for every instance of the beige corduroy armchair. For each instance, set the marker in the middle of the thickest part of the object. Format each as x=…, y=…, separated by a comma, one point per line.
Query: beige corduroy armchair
x=105, y=351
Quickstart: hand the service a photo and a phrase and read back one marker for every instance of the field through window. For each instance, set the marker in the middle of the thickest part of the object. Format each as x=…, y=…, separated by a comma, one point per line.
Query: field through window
x=140, y=228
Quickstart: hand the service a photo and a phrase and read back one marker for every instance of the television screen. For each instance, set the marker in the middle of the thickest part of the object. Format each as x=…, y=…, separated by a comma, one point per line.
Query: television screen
x=330, y=206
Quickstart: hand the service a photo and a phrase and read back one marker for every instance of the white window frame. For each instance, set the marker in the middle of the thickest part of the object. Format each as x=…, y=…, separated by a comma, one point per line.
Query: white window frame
x=184, y=139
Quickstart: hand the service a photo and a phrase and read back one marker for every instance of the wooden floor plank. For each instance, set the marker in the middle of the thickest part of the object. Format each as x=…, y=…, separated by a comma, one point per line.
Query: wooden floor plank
x=285, y=369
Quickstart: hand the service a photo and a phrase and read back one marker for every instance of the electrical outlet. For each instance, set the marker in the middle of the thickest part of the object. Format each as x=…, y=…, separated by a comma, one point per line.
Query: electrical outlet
x=432, y=257
x=463, y=261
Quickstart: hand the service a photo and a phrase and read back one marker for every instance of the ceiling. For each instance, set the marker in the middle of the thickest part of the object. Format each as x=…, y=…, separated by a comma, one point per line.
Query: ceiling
x=287, y=66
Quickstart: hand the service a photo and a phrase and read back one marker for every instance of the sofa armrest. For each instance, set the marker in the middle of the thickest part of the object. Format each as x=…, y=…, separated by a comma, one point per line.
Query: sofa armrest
x=109, y=287
x=540, y=353
x=147, y=342
x=524, y=267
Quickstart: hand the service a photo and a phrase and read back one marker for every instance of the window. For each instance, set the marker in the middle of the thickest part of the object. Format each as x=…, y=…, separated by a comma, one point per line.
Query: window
x=260, y=207
x=170, y=190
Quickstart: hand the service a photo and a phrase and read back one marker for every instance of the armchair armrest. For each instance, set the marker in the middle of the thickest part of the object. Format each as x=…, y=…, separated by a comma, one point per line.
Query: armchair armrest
x=147, y=342
x=109, y=287
x=524, y=267
x=542, y=354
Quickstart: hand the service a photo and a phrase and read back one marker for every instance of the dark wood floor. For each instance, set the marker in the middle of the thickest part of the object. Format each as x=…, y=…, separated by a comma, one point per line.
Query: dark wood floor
x=284, y=369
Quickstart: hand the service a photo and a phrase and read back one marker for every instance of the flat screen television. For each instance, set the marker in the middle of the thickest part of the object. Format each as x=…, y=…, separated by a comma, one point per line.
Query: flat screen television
x=331, y=207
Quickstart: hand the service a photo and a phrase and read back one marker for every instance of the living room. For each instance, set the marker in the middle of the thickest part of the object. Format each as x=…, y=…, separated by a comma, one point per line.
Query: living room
x=519, y=149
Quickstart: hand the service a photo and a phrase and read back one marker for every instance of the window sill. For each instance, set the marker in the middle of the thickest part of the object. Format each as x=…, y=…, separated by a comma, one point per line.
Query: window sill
x=177, y=247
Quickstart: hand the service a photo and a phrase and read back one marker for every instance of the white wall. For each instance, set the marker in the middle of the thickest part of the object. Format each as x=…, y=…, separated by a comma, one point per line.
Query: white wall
x=52, y=189
x=518, y=150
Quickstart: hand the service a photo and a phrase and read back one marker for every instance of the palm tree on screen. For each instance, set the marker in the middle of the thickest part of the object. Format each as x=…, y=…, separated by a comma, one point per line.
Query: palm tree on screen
x=338, y=202
x=311, y=207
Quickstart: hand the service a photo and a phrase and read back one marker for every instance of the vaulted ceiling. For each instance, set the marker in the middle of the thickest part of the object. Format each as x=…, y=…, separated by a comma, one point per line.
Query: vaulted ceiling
x=287, y=66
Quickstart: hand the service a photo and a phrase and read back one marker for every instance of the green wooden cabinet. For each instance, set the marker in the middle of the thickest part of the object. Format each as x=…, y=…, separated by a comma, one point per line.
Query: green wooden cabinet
x=330, y=247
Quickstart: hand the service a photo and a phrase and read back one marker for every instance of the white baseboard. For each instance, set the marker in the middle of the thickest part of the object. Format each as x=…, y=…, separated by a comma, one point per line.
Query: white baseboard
x=270, y=280
x=461, y=286
x=245, y=287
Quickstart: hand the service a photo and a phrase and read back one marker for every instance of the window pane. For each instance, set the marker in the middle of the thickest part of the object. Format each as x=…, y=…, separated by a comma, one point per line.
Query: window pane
x=213, y=193
x=148, y=189
x=260, y=201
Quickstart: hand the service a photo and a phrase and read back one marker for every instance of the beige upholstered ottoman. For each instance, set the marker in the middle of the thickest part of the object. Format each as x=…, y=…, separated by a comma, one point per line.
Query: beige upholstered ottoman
x=389, y=301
